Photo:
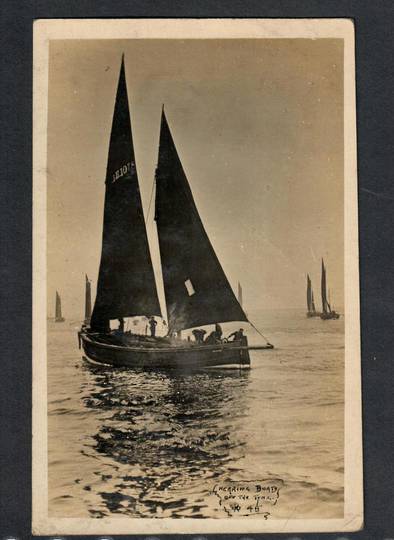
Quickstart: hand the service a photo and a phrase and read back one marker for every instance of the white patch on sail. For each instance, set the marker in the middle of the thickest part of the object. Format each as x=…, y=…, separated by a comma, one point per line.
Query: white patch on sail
x=189, y=287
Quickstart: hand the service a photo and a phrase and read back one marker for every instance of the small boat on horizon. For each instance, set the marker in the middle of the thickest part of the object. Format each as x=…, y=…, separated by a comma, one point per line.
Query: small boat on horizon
x=58, y=309
x=197, y=292
x=88, y=301
x=327, y=312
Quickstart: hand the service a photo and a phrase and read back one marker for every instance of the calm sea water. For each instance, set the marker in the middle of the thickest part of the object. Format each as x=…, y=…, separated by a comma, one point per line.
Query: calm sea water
x=151, y=444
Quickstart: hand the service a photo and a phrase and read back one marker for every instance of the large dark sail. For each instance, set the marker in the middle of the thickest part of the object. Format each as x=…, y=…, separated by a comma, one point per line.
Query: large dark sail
x=196, y=289
x=325, y=305
x=126, y=284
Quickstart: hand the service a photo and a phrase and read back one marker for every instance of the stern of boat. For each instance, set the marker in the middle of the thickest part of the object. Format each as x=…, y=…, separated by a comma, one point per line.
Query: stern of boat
x=244, y=356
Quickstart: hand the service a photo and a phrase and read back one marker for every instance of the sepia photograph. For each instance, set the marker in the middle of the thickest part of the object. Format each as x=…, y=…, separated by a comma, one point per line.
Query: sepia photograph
x=196, y=342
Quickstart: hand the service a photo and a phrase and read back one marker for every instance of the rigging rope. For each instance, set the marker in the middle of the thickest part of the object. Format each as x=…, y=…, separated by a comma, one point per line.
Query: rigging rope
x=150, y=200
x=258, y=331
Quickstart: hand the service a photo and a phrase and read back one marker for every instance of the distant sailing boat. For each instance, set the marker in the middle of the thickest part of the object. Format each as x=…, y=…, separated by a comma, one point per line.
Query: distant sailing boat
x=240, y=297
x=327, y=312
x=240, y=294
x=88, y=301
x=196, y=289
x=310, y=299
x=58, y=309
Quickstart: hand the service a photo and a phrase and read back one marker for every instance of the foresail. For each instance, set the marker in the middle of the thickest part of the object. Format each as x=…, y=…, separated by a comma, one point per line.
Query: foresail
x=126, y=284
x=197, y=291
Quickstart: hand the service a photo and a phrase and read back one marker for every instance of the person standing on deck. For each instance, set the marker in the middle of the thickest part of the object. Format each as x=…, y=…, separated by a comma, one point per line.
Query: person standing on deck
x=152, y=326
x=238, y=335
x=218, y=331
x=121, y=324
x=199, y=335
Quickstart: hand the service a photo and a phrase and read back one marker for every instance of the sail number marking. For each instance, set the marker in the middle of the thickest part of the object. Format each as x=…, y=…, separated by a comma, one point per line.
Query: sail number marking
x=124, y=169
x=189, y=287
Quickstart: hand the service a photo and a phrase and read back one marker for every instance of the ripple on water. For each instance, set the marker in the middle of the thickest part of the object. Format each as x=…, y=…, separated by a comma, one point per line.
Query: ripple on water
x=153, y=444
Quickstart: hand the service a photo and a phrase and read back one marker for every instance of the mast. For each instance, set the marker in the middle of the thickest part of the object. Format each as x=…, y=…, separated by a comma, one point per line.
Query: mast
x=88, y=300
x=196, y=289
x=126, y=285
x=313, y=303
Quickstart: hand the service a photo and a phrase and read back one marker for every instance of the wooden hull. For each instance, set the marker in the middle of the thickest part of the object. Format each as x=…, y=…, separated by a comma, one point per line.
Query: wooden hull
x=182, y=356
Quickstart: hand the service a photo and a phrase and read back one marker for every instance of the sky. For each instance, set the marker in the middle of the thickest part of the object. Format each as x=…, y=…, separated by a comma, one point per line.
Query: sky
x=258, y=125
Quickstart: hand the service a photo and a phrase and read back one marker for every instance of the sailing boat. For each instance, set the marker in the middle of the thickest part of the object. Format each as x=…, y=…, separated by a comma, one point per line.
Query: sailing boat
x=58, y=309
x=196, y=289
x=310, y=299
x=327, y=312
x=240, y=297
x=88, y=301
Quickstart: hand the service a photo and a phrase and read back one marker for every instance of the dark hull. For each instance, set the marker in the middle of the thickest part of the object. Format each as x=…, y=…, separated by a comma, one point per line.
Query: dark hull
x=311, y=314
x=182, y=356
x=329, y=316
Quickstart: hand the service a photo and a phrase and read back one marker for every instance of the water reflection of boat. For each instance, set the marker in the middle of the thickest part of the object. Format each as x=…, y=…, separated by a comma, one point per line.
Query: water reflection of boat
x=168, y=437
x=197, y=291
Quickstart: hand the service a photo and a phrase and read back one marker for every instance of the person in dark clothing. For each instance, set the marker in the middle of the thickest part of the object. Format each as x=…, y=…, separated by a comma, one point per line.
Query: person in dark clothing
x=121, y=324
x=211, y=338
x=199, y=335
x=152, y=326
x=218, y=331
x=238, y=335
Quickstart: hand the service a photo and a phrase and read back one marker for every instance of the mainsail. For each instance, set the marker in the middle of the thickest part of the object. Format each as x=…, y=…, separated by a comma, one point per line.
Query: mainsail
x=88, y=300
x=196, y=289
x=126, y=284
x=325, y=305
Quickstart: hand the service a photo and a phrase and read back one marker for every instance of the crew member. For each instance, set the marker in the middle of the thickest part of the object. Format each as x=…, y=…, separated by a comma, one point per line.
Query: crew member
x=199, y=335
x=238, y=335
x=218, y=331
x=152, y=326
x=211, y=338
x=121, y=324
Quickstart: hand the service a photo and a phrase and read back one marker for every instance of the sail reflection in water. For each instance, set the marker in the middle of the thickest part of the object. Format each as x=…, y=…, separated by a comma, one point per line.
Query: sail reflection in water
x=166, y=435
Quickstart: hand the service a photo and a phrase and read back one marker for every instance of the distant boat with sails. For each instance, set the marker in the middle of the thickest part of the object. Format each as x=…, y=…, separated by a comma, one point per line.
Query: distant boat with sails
x=197, y=292
x=310, y=300
x=327, y=312
x=58, y=309
x=88, y=300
